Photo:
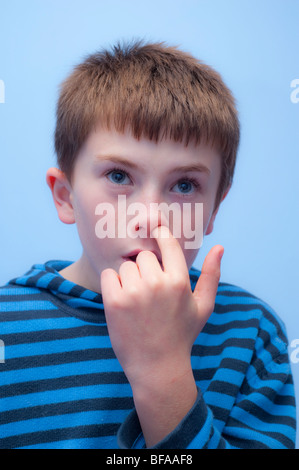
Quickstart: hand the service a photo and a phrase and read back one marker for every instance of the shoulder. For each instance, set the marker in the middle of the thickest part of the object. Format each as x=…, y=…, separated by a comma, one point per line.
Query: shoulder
x=12, y=291
x=16, y=300
x=237, y=307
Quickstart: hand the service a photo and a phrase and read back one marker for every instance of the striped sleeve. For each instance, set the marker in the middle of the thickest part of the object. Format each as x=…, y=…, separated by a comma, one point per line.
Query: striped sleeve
x=61, y=386
x=264, y=412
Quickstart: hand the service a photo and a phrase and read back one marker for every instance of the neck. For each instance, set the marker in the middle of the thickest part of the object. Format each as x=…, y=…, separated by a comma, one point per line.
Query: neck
x=83, y=274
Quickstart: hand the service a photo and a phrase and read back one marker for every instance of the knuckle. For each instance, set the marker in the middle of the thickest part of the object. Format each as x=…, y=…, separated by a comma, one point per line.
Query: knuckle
x=133, y=293
x=154, y=283
x=113, y=304
x=180, y=285
x=124, y=304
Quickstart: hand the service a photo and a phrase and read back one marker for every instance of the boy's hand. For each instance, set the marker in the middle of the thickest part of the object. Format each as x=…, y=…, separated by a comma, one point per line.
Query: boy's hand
x=153, y=320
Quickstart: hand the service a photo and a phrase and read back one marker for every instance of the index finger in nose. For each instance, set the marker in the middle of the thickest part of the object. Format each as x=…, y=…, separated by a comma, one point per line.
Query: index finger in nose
x=173, y=258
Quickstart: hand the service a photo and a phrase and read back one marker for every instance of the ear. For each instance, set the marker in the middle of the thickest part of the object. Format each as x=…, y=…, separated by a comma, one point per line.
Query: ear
x=212, y=220
x=61, y=192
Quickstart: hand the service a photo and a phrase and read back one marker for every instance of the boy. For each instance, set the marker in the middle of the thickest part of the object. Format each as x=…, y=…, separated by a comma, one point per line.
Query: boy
x=188, y=362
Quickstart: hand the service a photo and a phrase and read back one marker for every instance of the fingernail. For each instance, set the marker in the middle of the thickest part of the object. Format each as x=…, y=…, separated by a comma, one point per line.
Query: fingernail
x=155, y=232
x=164, y=232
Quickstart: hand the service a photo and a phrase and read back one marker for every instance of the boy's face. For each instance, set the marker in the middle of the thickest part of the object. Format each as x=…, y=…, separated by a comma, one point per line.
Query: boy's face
x=110, y=165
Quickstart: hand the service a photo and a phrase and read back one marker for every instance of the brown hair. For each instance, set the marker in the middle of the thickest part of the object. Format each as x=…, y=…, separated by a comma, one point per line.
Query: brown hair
x=154, y=90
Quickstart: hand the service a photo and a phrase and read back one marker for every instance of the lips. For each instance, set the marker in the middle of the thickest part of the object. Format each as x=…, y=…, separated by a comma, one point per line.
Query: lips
x=133, y=255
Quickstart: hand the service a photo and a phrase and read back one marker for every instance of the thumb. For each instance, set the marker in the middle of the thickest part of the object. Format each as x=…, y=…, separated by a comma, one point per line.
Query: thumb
x=206, y=288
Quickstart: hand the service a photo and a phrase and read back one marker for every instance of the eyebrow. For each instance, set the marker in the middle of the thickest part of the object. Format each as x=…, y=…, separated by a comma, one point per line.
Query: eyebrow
x=117, y=160
x=188, y=168
x=128, y=163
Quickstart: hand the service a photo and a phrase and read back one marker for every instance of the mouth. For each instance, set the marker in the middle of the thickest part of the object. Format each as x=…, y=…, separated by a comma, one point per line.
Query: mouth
x=133, y=255
x=130, y=258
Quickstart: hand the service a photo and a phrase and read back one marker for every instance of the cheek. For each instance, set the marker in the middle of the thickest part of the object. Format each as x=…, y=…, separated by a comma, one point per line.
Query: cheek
x=85, y=216
x=191, y=230
x=193, y=225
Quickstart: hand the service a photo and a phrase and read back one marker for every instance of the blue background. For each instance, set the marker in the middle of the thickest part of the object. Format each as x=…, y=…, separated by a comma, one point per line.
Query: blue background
x=254, y=44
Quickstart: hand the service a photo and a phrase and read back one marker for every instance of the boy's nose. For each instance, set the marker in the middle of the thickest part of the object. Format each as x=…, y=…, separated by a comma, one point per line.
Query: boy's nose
x=147, y=219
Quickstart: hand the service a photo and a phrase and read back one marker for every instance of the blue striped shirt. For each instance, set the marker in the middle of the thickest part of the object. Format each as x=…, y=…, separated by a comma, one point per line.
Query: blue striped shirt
x=61, y=385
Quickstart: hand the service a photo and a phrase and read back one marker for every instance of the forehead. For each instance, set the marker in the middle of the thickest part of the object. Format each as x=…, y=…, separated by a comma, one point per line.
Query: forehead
x=122, y=148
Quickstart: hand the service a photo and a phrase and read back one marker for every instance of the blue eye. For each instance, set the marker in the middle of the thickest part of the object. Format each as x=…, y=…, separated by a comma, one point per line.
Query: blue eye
x=118, y=177
x=186, y=186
